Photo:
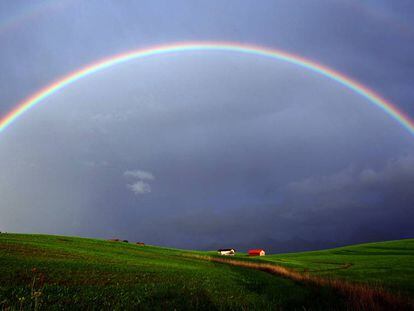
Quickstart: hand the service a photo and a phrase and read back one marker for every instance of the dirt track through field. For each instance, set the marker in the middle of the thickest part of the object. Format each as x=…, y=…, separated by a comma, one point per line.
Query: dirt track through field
x=358, y=296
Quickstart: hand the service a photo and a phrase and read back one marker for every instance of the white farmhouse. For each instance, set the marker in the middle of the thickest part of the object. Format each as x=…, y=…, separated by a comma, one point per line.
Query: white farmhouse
x=226, y=251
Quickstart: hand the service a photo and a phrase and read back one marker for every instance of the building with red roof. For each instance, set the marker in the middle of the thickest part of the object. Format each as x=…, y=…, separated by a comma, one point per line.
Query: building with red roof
x=256, y=252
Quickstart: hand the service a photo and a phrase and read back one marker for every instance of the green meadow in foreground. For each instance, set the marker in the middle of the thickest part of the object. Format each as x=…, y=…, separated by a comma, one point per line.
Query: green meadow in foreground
x=72, y=273
x=56, y=272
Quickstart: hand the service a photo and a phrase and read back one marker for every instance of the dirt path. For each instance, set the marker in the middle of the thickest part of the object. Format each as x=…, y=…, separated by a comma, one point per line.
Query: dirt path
x=359, y=296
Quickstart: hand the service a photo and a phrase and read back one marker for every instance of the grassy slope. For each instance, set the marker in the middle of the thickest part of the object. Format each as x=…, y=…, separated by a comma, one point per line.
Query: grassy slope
x=96, y=274
x=388, y=263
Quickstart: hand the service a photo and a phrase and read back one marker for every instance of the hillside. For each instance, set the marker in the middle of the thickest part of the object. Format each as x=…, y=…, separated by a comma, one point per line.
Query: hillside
x=85, y=273
x=57, y=272
x=389, y=263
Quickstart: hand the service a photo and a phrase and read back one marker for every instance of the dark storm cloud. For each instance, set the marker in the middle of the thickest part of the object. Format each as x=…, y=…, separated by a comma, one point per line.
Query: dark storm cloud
x=190, y=162
x=353, y=205
x=380, y=198
x=242, y=150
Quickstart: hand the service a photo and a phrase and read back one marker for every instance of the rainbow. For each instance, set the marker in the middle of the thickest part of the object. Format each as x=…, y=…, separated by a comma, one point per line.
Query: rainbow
x=30, y=12
x=349, y=83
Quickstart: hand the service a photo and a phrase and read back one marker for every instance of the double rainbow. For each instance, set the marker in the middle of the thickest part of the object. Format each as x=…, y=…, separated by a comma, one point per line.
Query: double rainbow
x=353, y=85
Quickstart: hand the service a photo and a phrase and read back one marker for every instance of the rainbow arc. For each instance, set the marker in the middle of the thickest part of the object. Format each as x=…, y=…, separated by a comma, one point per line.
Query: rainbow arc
x=371, y=96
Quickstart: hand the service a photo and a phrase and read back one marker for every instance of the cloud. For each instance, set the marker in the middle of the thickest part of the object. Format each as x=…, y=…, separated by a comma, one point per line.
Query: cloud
x=139, y=174
x=95, y=164
x=323, y=184
x=141, y=185
x=396, y=173
x=355, y=204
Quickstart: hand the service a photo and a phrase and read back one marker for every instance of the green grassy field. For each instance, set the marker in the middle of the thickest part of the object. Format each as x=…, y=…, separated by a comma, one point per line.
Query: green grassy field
x=75, y=273
x=390, y=264
x=57, y=272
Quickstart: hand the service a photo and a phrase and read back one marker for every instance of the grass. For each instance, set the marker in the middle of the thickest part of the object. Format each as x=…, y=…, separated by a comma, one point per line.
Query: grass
x=388, y=264
x=358, y=296
x=65, y=273
x=41, y=272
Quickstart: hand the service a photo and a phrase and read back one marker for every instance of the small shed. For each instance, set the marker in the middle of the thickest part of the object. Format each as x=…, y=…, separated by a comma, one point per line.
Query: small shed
x=140, y=243
x=226, y=251
x=256, y=252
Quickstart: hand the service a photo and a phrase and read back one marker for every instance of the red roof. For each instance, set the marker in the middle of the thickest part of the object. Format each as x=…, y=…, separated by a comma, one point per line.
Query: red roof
x=255, y=251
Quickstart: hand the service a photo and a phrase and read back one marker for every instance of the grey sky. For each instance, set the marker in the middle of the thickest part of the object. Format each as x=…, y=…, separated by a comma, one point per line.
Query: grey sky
x=204, y=148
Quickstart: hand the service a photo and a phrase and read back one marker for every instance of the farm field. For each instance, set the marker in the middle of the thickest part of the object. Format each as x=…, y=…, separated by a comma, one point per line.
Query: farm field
x=390, y=264
x=75, y=273
x=57, y=272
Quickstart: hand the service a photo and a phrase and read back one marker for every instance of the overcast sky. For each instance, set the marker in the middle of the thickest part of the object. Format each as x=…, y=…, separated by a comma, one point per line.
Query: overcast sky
x=208, y=149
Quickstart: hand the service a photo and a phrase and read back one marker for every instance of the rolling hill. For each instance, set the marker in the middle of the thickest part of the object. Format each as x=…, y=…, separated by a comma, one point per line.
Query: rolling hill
x=58, y=272
x=390, y=264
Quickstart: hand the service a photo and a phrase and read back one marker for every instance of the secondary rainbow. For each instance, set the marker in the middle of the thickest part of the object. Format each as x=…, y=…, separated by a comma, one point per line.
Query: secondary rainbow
x=32, y=11
x=349, y=83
